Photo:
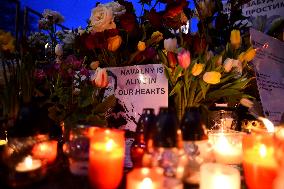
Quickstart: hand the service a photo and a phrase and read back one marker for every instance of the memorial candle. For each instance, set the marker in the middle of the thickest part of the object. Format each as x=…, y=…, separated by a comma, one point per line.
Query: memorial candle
x=227, y=146
x=28, y=164
x=45, y=151
x=217, y=176
x=106, y=158
x=145, y=178
x=260, y=166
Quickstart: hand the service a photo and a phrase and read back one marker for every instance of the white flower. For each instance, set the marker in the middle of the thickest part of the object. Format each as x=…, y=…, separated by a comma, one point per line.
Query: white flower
x=228, y=64
x=59, y=50
x=117, y=9
x=102, y=18
x=170, y=44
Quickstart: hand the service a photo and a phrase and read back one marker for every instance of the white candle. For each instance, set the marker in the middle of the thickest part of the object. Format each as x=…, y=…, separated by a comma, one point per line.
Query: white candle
x=141, y=178
x=227, y=147
x=28, y=164
x=216, y=176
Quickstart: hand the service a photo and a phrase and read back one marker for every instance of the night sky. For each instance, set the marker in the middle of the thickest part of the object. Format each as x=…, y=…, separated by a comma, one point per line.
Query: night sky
x=76, y=12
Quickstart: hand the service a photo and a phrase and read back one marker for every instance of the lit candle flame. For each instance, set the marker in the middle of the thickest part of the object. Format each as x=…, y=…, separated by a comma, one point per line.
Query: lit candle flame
x=145, y=171
x=109, y=145
x=262, y=150
x=146, y=183
x=28, y=161
x=268, y=124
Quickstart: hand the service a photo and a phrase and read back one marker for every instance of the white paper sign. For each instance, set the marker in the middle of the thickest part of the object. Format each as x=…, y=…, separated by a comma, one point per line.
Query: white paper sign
x=260, y=7
x=137, y=87
x=269, y=68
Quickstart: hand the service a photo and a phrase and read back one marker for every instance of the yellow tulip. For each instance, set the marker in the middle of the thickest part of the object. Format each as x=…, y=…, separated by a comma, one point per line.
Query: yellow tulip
x=141, y=46
x=241, y=57
x=197, y=69
x=249, y=55
x=114, y=43
x=156, y=37
x=236, y=38
x=212, y=77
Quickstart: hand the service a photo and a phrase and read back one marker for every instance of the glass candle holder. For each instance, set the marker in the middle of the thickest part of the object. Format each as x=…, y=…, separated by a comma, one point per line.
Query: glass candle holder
x=77, y=148
x=216, y=176
x=279, y=156
x=227, y=146
x=259, y=163
x=140, y=178
x=106, y=158
x=26, y=160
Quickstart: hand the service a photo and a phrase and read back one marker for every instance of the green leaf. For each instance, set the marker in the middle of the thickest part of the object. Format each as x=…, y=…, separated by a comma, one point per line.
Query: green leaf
x=204, y=87
x=192, y=93
x=176, y=88
x=177, y=72
x=168, y=75
x=163, y=58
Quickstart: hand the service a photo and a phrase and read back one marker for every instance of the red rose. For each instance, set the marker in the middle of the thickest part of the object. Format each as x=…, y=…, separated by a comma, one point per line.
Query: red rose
x=128, y=21
x=154, y=18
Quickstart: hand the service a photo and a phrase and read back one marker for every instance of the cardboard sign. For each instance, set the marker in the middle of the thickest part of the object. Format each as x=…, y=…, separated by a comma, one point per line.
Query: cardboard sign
x=269, y=68
x=136, y=87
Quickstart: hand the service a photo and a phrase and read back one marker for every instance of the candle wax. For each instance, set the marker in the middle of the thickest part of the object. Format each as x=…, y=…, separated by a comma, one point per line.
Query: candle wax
x=28, y=164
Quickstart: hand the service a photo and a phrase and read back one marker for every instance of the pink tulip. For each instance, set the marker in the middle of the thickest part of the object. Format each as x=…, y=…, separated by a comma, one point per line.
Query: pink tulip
x=184, y=58
x=100, y=79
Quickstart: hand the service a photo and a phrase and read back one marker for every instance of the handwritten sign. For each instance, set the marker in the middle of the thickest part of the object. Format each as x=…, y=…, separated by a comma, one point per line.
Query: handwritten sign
x=269, y=68
x=136, y=87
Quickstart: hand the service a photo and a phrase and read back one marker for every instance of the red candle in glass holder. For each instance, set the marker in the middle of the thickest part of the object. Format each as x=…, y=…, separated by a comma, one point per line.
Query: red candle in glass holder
x=260, y=167
x=45, y=151
x=106, y=158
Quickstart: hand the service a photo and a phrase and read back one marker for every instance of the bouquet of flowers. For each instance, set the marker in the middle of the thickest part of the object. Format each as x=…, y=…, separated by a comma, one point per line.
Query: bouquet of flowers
x=201, y=67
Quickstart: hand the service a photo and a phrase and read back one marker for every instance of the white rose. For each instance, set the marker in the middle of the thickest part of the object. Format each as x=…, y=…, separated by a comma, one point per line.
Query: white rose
x=170, y=44
x=117, y=9
x=59, y=50
x=102, y=18
x=228, y=64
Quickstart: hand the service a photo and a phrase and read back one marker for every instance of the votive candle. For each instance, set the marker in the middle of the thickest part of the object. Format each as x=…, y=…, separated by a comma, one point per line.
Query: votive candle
x=216, y=176
x=145, y=178
x=106, y=158
x=227, y=146
x=28, y=164
x=45, y=151
x=260, y=166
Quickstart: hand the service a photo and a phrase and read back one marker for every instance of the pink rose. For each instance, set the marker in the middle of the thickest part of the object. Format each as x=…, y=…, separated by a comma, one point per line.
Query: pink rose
x=184, y=58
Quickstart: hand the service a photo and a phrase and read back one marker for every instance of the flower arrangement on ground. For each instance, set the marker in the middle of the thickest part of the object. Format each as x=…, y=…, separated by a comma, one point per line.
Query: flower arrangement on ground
x=201, y=66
